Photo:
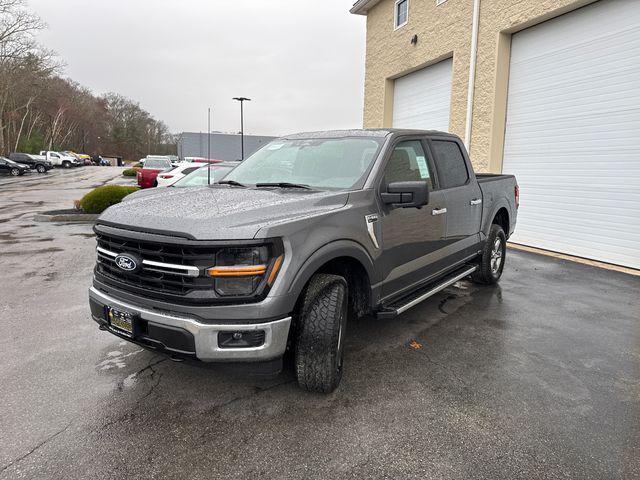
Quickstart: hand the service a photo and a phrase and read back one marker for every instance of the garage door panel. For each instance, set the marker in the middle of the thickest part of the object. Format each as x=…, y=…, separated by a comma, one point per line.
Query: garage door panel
x=573, y=124
x=422, y=99
x=616, y=54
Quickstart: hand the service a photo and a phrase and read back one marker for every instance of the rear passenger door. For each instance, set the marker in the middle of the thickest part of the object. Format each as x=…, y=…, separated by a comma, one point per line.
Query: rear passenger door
x=463, y=198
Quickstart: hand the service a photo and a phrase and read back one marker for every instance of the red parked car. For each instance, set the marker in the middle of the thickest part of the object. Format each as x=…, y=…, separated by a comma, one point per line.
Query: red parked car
x=152, y=167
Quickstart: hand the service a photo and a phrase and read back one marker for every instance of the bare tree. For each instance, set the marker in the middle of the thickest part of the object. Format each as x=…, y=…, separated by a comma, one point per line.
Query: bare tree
x=39, y=109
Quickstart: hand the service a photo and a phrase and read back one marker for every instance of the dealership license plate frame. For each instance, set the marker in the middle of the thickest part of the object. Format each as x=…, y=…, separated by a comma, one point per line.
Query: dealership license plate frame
x=121, y=322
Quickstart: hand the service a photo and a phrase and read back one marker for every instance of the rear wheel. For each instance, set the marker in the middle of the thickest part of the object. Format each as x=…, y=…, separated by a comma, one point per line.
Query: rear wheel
x=15, y=172
x=320, y=332
x=41, y=169
x=493, y=257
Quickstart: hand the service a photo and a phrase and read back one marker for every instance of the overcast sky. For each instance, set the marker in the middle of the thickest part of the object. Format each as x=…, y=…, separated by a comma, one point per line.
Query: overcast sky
x=302, y=61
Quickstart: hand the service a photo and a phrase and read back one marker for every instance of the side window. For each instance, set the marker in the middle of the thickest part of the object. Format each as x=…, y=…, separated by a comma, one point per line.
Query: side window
x=408, y=162
x=452, y=169
x=401, y=14
x=189, y=170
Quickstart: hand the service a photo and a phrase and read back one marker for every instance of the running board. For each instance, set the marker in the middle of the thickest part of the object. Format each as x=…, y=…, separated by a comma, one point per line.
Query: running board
x=422, y=294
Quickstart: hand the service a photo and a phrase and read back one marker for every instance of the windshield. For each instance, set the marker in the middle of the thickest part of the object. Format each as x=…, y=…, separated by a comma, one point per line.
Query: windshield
x=199, y=177
x=329, y=163
x=157, y=164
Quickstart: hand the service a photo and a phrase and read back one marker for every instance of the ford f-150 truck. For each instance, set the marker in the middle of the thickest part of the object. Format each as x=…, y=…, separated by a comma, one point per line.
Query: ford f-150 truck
x=311, y=230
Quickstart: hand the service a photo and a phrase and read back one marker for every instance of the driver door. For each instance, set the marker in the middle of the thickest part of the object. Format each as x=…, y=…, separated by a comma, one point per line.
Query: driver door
x=412, y=238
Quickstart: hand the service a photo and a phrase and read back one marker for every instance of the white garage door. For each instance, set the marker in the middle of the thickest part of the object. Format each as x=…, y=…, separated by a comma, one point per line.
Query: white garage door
x=573, y=132
x=422, y=99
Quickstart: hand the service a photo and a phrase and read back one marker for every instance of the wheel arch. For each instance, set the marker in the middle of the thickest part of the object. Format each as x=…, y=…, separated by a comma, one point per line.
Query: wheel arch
x=500, y=215
x=346, y=258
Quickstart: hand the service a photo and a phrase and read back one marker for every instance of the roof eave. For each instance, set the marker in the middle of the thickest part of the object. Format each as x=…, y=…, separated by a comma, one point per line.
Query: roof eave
x=362, y=7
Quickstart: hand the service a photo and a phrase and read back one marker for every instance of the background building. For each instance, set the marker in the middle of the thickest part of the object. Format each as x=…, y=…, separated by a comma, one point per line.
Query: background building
x=223, y=146
x=548, y=90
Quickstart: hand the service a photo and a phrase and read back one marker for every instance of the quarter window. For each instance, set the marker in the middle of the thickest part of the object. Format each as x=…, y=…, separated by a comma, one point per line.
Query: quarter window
x=401, y=13
x=452, y=169
x=408, y=163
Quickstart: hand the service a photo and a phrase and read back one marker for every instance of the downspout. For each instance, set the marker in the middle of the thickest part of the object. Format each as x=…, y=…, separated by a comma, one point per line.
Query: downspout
x=472, y=72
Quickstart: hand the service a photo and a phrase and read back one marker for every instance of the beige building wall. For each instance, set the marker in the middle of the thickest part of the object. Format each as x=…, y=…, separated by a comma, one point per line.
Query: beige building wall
x=445, y=31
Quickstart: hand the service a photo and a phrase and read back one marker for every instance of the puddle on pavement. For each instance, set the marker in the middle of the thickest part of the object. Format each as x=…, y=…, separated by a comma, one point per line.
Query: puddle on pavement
x=116, y=359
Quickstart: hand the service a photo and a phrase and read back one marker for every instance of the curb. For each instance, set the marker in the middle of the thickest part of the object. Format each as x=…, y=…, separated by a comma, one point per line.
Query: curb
x=72, y=218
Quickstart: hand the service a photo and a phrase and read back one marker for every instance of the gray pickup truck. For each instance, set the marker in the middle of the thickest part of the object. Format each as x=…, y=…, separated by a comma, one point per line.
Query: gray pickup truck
x=309, y=231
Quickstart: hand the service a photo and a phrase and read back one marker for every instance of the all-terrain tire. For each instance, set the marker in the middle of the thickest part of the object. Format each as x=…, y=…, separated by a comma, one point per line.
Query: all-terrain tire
x=320, y=332
x=493, y=257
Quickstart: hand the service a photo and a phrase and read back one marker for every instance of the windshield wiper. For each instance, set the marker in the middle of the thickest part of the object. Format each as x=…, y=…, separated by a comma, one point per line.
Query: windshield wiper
x=231, y=182
x=284, y=185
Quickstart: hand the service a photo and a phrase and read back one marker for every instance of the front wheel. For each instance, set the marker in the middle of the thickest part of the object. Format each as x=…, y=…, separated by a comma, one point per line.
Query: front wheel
x=41, y=169
x=15, y=172
x=493, y=257
x=320, y=331
x=66, y=164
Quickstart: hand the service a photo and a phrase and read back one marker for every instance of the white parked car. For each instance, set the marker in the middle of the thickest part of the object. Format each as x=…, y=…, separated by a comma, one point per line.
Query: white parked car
x=169, y=177
x=61, y=160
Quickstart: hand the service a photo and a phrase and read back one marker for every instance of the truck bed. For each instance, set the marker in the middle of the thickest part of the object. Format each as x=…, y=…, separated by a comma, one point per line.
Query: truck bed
x=497, y=190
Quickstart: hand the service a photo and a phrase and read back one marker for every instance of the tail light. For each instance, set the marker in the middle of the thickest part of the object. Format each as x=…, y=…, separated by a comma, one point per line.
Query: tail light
x=517, y=194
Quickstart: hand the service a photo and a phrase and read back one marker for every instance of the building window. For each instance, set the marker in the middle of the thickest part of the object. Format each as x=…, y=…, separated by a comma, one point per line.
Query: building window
x=402, y=13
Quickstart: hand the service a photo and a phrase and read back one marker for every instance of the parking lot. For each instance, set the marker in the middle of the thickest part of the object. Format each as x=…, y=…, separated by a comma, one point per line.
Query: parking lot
x=538, y=377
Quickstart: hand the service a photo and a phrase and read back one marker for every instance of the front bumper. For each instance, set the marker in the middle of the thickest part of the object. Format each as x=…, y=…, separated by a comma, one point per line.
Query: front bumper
x=184, y=336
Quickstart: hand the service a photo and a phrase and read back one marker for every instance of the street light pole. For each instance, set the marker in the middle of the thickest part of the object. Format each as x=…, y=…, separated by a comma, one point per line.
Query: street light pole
x=242, y=100
x=209, y=146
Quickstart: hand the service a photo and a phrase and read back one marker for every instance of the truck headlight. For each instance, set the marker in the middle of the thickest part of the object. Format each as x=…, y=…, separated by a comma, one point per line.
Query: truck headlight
x=240, y=271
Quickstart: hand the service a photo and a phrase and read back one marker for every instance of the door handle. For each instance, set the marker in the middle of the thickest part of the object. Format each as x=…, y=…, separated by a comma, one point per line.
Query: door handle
x=475, y=201
x=440, y=211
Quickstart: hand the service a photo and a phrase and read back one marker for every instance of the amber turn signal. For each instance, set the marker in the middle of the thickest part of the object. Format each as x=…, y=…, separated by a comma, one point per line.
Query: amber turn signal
x=274, y=271
x=237, y=271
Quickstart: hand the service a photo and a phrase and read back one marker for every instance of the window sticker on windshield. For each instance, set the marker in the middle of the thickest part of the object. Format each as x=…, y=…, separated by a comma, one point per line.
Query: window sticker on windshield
x=422, y=166
x=275, y=146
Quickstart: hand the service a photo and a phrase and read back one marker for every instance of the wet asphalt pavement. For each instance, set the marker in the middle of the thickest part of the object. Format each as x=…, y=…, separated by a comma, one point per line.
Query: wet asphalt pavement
x=536, y=378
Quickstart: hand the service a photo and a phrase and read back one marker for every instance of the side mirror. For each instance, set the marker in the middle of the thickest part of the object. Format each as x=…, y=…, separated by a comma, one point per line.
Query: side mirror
x=406, y=194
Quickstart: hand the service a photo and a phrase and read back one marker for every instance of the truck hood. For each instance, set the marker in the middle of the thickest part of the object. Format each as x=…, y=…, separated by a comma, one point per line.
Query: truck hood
x=219, y=213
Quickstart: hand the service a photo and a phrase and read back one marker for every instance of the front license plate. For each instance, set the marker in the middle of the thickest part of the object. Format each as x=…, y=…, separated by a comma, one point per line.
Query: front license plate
x=122, y=322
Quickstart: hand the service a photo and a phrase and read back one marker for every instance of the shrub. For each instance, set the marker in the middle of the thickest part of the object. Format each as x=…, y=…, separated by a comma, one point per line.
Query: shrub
x=99, y=199
x=130, y=172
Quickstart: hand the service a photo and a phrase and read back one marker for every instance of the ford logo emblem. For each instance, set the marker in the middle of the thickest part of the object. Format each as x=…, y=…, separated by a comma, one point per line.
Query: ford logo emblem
x=128, y=263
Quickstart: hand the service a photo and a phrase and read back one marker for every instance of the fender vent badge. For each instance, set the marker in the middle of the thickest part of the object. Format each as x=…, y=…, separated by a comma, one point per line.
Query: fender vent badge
x=371, y=219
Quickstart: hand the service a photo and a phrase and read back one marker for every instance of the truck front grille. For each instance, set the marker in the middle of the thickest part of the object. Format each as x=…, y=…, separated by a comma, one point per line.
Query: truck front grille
x=167, y=269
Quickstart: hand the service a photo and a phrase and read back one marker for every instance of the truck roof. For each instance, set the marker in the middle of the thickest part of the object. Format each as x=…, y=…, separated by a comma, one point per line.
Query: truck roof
x=364, y=132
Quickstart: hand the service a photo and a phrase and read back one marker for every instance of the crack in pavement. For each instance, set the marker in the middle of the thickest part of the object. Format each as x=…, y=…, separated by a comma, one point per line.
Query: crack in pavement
x=131, y=412
x=256, y=391
x=38, y=446
x=61, y=431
